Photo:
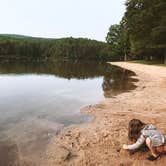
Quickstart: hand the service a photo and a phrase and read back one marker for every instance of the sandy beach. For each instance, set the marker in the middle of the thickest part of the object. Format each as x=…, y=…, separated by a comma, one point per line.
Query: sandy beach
x=99, y=143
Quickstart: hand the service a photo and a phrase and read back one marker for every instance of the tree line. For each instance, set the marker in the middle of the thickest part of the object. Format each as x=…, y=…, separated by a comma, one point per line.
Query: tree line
x=141, y=34
x=22, y=47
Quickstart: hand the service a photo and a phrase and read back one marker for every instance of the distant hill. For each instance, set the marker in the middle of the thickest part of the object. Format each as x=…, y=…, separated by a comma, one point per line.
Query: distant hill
x=13, y=46
x=15, y=36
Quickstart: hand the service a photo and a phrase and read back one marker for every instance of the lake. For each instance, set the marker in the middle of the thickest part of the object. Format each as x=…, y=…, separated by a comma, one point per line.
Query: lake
x=39, y=99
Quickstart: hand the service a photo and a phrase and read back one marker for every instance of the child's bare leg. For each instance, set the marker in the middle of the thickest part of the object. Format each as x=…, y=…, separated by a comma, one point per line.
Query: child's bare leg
x=152, y=149
x=160, y=149
x=164, y=148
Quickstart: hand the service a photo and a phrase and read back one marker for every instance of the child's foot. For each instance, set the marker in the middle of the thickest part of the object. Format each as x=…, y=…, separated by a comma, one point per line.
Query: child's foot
x=153, y=158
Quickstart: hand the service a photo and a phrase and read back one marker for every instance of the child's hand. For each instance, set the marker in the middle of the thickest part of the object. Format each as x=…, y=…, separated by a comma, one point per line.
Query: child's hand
x=125, y=146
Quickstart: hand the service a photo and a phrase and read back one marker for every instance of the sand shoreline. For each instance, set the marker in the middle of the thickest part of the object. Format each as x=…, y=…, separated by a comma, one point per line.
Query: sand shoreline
x=100, y=142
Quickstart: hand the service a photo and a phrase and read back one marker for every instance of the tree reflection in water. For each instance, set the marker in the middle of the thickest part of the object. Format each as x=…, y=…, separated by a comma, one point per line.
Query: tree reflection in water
x=115, y=80
x=28, y=119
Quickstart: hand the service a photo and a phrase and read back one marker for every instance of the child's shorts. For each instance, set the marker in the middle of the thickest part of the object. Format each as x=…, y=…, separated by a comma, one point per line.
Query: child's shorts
x=157, y=141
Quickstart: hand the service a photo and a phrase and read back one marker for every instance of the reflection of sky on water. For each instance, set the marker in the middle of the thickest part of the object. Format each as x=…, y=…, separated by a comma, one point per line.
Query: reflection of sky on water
x=38, y=99
x=46, y=95
x=33, y=108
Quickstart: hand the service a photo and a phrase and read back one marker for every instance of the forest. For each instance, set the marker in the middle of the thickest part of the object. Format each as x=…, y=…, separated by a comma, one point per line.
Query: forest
x=23, y=47
x=141, y=34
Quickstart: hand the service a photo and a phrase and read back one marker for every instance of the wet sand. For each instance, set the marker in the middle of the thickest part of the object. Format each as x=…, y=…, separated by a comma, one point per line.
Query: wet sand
x=99, y=143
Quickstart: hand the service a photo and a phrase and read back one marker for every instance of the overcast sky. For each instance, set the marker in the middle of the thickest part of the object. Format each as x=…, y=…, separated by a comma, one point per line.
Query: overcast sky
x=60, y=18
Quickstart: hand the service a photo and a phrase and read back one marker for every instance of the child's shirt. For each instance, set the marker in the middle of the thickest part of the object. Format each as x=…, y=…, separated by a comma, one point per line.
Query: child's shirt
x=151, y=132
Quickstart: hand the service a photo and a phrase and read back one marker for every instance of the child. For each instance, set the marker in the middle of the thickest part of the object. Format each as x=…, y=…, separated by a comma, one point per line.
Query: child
x=141, y=133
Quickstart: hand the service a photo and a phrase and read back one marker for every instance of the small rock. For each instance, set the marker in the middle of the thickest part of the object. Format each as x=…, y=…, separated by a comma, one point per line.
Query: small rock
x=60, y=154
x=118, y=150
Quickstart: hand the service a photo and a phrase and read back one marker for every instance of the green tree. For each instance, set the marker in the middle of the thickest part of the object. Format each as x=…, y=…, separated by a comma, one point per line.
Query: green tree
x=22, y=47
x=117, y=37
x=145, y=21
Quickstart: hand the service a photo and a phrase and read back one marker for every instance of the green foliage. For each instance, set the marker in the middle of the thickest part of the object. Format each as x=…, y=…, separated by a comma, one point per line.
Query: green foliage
x=117, y=37
x=142, y=30
x=147, y=27
x=22, y=47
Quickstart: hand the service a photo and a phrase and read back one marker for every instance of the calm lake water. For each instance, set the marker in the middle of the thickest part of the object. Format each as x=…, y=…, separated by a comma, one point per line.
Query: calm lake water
x=38, y=99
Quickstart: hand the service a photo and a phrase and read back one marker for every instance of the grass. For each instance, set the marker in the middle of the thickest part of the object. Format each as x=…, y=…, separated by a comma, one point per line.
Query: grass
x=158, y=63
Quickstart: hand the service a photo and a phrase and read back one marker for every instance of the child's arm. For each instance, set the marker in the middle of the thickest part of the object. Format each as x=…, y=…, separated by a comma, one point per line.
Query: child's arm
x=136, y=145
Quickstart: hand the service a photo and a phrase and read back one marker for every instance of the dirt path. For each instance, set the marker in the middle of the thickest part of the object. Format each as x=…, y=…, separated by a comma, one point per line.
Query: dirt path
x=100, y=143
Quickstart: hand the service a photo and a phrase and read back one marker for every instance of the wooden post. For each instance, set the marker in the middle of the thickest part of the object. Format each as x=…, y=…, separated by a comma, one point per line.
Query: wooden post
x=125, y=55
x=165, y=56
